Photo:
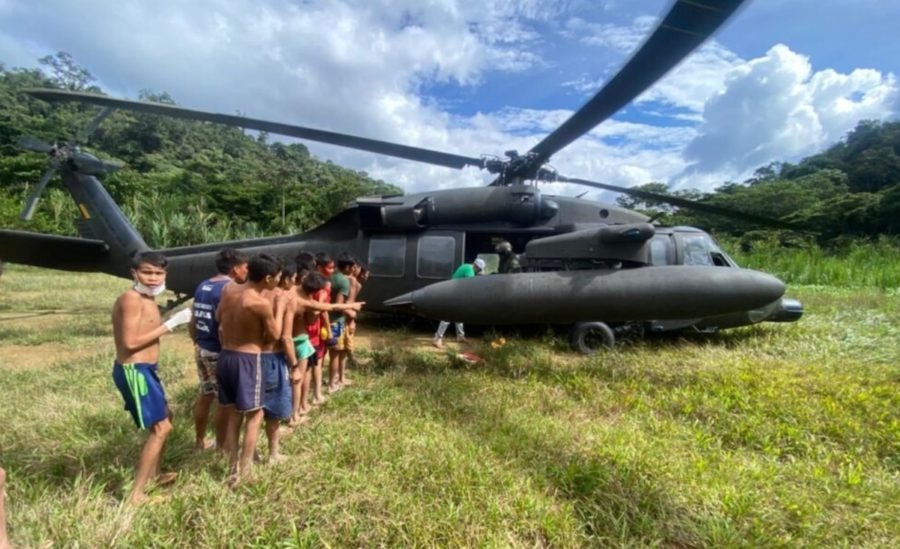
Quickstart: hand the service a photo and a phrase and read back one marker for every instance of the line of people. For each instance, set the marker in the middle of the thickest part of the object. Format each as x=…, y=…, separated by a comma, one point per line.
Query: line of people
x=262, y=330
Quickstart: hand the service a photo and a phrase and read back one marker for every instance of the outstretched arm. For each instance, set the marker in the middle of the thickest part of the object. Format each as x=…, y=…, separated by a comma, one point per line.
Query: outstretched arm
x=314, y=305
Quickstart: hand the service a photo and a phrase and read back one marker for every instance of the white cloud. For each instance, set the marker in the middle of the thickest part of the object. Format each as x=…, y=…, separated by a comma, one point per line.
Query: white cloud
x=775, y=108
x=696, y=79
x=687, y=86
x=364, y=68
x=621, y=38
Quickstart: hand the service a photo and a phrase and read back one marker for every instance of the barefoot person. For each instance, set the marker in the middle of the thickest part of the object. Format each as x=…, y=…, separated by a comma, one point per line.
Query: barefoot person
x=247, y=322
x=232, y=267
x=305, y=307
x=276, y=355
x=137, y=328
x=337, y=348
x=358, y=277
x=304, y=351
x=318, y=326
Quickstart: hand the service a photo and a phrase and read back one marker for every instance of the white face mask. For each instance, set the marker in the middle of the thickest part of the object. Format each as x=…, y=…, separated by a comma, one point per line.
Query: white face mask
x=147, y=290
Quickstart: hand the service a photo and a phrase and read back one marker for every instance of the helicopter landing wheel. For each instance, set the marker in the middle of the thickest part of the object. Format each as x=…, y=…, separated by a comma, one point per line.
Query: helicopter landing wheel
x=590, y=337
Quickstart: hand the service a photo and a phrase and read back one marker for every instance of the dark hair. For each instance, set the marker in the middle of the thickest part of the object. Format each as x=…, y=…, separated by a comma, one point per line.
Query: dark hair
x=313, y=282
x=262, y=265
x=305, y=256
x=323, y=259
x=345, y=261
x=306, y=266
x=157, y=259
x=229, y=258
x=288, y=269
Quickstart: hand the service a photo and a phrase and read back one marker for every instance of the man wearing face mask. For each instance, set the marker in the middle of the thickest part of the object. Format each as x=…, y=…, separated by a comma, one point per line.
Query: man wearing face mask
x=137, y=327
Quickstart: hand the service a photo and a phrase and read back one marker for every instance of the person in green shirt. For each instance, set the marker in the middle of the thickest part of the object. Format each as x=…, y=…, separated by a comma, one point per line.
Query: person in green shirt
x=340, y=292
x=466, y=270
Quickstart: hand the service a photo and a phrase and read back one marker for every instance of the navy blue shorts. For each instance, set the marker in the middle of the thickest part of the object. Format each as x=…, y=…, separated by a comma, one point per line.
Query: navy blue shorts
x=142, y=392
x=277, y=402
x=239, y=376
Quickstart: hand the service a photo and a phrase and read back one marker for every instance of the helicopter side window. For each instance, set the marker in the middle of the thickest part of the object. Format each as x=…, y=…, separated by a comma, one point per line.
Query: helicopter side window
x=387, y=256
x=720, y=258
x=696, y=250
x=437, y=255
x=661, y=250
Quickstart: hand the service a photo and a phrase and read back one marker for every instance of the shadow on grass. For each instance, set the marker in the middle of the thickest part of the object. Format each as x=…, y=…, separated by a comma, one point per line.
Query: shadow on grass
x=616, y=497
x=106, y=448
x=547, y=358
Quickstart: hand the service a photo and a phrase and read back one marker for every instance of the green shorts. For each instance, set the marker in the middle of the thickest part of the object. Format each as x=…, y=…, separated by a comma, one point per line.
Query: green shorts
x=303, y=347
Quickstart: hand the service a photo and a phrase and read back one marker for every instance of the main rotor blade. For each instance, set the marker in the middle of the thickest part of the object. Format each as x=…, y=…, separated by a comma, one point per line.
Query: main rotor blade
x=344, y=140
x=86, y=131
x=688, y=24
x=34, y=144
x=685, y=203
x=31, y=203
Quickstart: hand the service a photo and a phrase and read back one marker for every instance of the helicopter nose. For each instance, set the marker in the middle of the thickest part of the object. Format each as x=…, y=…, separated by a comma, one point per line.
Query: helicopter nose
x=765, y=286
x=403, y=302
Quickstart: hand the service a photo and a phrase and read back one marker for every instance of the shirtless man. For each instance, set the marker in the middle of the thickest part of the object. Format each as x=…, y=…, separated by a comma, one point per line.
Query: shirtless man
x=246, y=323
x=137, y=328
x=304, y=350
x=276, y=355
x=304, y=308
x=232, y=267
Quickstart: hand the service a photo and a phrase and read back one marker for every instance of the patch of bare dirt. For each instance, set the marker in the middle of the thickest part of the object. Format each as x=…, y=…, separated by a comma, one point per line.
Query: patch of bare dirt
x=26, y=357
x=370, y=337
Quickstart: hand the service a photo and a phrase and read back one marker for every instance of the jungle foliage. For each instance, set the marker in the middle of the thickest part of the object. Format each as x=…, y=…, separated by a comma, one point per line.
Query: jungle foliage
x=851, y=189
x=187, y=182
x=183, y=182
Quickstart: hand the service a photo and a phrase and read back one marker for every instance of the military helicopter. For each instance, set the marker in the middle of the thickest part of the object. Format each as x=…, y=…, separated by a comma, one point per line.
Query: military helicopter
x=604, y=270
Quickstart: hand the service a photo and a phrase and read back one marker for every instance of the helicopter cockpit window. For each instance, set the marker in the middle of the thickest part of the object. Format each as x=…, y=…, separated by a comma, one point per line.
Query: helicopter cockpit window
x=387, y=256
x=437, y=257
x=661, y=250
x=720, y=258
x=696, y=250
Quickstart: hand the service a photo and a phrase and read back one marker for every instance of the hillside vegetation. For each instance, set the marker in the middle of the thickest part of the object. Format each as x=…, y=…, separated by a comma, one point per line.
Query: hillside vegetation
x=188, y=182
x=183, y=182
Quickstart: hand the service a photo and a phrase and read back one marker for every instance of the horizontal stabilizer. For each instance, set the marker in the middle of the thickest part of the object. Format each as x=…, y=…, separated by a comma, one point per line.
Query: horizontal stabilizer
x=52, y=251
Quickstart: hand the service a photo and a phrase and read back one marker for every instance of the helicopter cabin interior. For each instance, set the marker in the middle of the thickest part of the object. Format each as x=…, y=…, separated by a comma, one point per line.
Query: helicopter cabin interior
x=434, y=255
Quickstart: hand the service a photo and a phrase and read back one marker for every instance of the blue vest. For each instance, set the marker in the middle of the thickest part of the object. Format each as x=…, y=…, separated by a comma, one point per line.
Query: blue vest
x=206, y=301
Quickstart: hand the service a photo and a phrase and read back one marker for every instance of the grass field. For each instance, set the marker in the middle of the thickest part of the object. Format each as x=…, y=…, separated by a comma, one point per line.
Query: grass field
x=776, y=435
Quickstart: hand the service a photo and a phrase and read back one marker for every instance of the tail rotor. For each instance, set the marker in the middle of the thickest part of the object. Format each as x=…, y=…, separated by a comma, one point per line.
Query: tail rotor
x=61, y=154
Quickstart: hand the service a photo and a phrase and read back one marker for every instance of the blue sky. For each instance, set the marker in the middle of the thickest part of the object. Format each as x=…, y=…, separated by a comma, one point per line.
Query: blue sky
x=783, y=79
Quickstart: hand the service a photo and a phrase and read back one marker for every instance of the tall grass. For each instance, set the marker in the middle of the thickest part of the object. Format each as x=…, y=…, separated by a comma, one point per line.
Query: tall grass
x=778, y=435
x=854, y=263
